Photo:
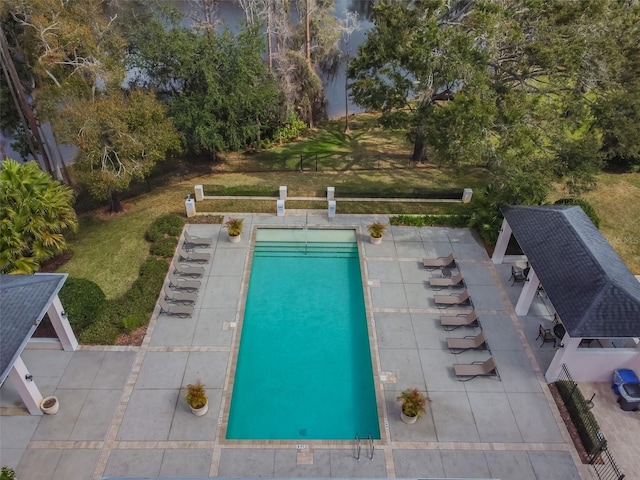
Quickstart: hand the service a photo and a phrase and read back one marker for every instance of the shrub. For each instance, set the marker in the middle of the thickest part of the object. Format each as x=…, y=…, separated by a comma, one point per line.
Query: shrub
x=586, y=207
x=84, y=301
x=170, y=224
x=435, y=220
x=582, y=418
x=101, y=332
x=141, y=298
x=166, y=225
x=133, y=321
x=7, y=473
x=164, y=247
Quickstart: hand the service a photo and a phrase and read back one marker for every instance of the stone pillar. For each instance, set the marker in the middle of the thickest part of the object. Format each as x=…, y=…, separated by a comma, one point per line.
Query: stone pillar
x=280, y=210
x=27, y=389
x=283, y=192
x=190, y=206
x=467, y=193
x=199, y=191
x=62, y=326
x=502, y=243
x=332, y=208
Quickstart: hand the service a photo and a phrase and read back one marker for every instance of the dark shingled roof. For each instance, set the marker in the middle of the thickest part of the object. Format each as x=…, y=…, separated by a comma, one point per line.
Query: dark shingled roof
x=24, y=299
x=591, y=288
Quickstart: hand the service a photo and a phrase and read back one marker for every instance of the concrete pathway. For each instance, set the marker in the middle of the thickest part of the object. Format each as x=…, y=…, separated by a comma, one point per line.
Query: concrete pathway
x=123, y=413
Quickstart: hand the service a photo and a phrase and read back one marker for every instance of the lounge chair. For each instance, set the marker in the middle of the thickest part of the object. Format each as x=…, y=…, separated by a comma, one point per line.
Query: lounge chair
x=470, y=371
x=442, y=282
x=434, y=263
x=182, y=284
x=178, y=310
x=462, y=298
x=180, y=297
x=459, y=345
x=188, y=270
x=199, y=241
x=461, y=320
x=546, y=335
x=193, y=257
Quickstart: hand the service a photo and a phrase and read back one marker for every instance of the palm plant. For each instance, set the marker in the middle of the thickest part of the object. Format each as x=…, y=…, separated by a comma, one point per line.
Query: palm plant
x=36, y=212
x=413, y=402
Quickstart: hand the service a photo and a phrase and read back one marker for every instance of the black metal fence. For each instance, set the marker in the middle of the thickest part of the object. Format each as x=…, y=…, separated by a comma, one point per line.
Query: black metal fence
x=587, y=426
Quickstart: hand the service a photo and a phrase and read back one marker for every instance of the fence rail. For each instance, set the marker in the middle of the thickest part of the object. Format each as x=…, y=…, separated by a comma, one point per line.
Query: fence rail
x=585, y=422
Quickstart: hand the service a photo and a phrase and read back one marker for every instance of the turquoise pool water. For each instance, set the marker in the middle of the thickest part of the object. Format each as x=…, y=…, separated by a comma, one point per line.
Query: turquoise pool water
x=304, y=364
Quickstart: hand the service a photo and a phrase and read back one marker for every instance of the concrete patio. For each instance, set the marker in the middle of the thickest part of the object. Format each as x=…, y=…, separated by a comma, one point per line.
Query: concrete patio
x=122, y=410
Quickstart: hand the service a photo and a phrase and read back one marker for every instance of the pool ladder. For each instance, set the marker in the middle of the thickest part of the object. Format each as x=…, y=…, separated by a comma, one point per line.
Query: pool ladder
x=372, y=447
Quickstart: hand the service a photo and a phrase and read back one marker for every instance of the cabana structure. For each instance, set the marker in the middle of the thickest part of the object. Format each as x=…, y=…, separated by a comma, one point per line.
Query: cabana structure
x=591, y=289
x=24, y=300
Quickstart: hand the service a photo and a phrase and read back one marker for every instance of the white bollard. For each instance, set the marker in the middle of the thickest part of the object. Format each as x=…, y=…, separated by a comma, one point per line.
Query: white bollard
x=199, y=193
x=332, y=208
x=190, y=205
x=466, y=195
x=283, y=192
x=280, y=208
x=331, y=193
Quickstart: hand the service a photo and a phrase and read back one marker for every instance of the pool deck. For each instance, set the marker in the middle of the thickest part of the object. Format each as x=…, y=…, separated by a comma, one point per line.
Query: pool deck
x=122, y=412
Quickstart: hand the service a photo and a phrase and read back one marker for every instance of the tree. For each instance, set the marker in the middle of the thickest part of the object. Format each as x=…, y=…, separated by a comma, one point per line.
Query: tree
x=36, y=213
x=120, y=138
x=414, y=59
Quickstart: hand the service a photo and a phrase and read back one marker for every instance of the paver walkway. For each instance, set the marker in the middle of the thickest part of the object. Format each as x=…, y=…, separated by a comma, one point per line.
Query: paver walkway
x=122, y=411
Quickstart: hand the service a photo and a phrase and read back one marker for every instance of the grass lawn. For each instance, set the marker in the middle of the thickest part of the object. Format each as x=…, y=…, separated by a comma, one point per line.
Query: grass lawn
x=617, y=203
x=110, y=249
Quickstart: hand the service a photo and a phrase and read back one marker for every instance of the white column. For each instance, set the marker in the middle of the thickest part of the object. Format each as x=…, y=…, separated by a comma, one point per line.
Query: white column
x=502, y=243
x=564, y=354
x=61, y=324
x=27, y=389
x=190, y=206
x=283, y=192
x=199, y=191
x=280, y=210
x=528, y=293
x=467, y=193
x=331, y=193
x=332, y=208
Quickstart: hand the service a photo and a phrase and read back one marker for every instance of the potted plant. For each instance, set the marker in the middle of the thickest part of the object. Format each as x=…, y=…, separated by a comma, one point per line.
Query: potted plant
x=376, y=230
x=413, y=405
x=7, y=473
x=50, y=405
x=234, y=227
x=197, y=398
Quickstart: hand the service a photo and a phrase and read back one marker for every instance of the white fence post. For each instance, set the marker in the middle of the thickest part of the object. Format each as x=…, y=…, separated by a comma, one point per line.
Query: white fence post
x=199, y=193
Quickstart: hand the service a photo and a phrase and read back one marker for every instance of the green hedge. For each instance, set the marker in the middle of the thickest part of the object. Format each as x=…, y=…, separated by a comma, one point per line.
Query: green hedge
x=83, y=301
x=454, y=221
x=101, y=332
x=241, y=191
x=391, y=192
x=583, y=419
x=164, y=247
x=167, y=225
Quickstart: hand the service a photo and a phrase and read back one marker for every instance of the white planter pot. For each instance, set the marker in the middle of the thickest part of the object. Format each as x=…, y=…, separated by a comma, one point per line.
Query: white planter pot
x=375, y=240
x=234, y=239
x=50, y=405
x=198, y=412
x=407, y=419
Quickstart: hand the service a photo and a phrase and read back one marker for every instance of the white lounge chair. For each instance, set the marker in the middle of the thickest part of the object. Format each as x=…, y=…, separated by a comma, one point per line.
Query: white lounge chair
x=180, y=297
x=462, y=298
x=178, y=310
x=434, y=263
x=193, y=257
x=188, y=270
x=442, y=282
x=199, y=241
x=183, y=284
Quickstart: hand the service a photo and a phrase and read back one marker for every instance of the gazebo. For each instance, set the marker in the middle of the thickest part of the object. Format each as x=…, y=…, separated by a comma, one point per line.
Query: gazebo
x=24, y=300
x=591, y=289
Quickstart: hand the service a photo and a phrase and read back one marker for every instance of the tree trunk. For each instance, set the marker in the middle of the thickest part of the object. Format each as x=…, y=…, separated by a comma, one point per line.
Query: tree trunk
x=307, y=34
x=419, y=150
x=116, y=204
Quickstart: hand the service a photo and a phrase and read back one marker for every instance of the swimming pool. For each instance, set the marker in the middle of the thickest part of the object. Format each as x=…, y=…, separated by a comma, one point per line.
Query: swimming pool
x=304, y=364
